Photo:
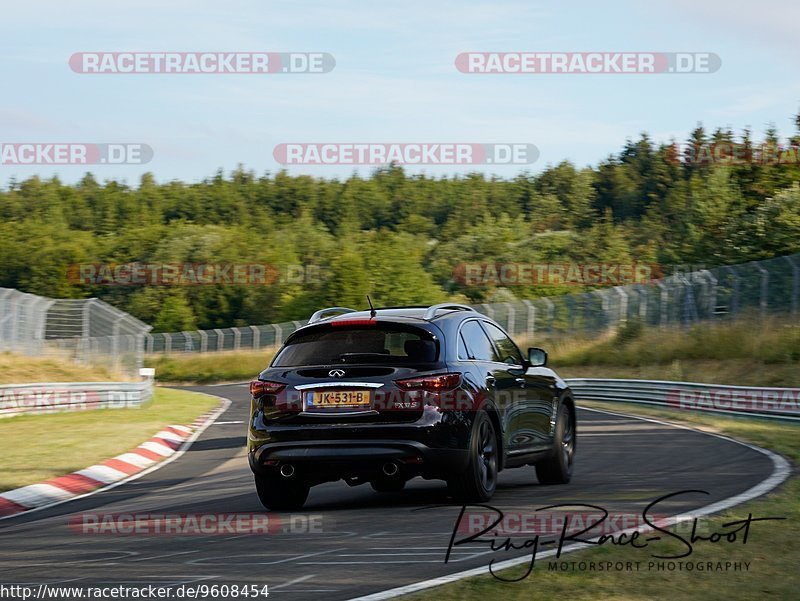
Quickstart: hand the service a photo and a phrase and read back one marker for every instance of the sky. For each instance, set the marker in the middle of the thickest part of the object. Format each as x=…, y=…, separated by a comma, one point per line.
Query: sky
x=395, y=80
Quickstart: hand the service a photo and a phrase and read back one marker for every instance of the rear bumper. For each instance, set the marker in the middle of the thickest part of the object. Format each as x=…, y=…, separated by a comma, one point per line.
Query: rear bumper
x=435, y=449
x=338, y=458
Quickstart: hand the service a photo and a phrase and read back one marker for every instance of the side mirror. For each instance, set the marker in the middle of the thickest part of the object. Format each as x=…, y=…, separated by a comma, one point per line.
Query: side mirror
x=537, y=357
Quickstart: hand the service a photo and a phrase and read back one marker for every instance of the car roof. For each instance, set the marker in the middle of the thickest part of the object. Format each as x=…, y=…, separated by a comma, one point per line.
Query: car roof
x=436, y=319
x=412, y=312
x=423, y=316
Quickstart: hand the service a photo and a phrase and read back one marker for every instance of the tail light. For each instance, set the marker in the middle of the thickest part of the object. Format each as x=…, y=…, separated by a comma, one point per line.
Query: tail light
x=259, y=388
x=437, y=383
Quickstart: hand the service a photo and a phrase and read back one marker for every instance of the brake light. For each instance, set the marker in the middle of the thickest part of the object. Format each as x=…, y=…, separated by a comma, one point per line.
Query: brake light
x=259, y=388
x=354, y=322
x=437, y=383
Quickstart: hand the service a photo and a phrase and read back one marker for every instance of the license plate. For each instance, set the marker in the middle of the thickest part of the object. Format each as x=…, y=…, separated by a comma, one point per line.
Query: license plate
x=340, y=398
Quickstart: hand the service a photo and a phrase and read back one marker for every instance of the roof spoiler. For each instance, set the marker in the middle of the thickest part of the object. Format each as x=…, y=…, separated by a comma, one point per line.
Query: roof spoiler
x=323, y=313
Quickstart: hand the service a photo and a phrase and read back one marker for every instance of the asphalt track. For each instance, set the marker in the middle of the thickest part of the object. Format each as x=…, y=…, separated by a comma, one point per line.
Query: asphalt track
x=362, y=542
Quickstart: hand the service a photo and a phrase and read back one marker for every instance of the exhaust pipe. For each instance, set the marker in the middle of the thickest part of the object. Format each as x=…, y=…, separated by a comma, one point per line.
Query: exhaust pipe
x=287, y=470
x=390, y=469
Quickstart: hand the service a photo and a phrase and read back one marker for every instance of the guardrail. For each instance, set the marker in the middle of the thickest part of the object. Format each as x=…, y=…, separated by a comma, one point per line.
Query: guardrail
x=18, y=399
x=777, y=403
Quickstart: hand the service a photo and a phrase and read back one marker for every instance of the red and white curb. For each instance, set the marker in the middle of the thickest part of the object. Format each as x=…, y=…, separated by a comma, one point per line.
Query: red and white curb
x=164, y=446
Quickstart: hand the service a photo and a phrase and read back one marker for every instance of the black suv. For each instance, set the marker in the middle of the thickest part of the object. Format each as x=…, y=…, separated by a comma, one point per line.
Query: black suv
x=385, y=395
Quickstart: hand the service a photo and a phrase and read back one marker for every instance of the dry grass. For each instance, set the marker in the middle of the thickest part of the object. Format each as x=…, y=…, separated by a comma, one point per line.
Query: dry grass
x=747, y=352
x=770, y=341
x=226, y=366
x=20, y=369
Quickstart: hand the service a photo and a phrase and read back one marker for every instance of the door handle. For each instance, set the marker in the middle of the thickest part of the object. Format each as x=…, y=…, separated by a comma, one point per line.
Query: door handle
x=521, y=382
x=490, y=380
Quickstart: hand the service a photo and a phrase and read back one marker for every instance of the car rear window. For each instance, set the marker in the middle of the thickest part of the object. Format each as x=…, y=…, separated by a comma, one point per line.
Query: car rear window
x=383, y=344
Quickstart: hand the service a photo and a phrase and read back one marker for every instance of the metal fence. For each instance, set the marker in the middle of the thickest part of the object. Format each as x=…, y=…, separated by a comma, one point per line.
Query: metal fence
x=759, y=287
x=87, y=331
x=224, y=339
x=22, y=321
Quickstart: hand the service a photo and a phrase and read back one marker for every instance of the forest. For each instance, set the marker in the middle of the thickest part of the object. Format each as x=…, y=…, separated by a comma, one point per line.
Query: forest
x=716, y=198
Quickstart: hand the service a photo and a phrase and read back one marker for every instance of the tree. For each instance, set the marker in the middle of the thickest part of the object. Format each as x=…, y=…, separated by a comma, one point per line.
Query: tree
x=716, y=225
x=398, y=236
x=348, y=282
x=776, y=228
x=175, y=315
x=395, y=270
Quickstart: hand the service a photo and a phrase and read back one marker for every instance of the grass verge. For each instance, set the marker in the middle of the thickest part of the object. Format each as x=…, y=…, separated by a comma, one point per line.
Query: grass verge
x=772, y=548
x=739, y=372
x=20, y=369
x=770, y=340
x=38, y=447
x=746, y=352
x=210, y=368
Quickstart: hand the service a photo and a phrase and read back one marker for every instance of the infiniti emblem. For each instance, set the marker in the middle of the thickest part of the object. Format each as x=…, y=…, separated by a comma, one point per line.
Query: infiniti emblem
x=336, y=373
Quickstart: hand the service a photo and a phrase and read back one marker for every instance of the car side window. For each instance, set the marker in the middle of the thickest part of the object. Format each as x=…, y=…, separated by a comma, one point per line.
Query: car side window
x=477, y=344
x=463, y=353
x=509, y=353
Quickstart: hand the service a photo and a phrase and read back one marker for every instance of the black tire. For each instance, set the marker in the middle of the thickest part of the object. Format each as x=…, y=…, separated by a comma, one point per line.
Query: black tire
x=276, y=493
x=479, y=480
x=386, y=485
x=557, y=468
